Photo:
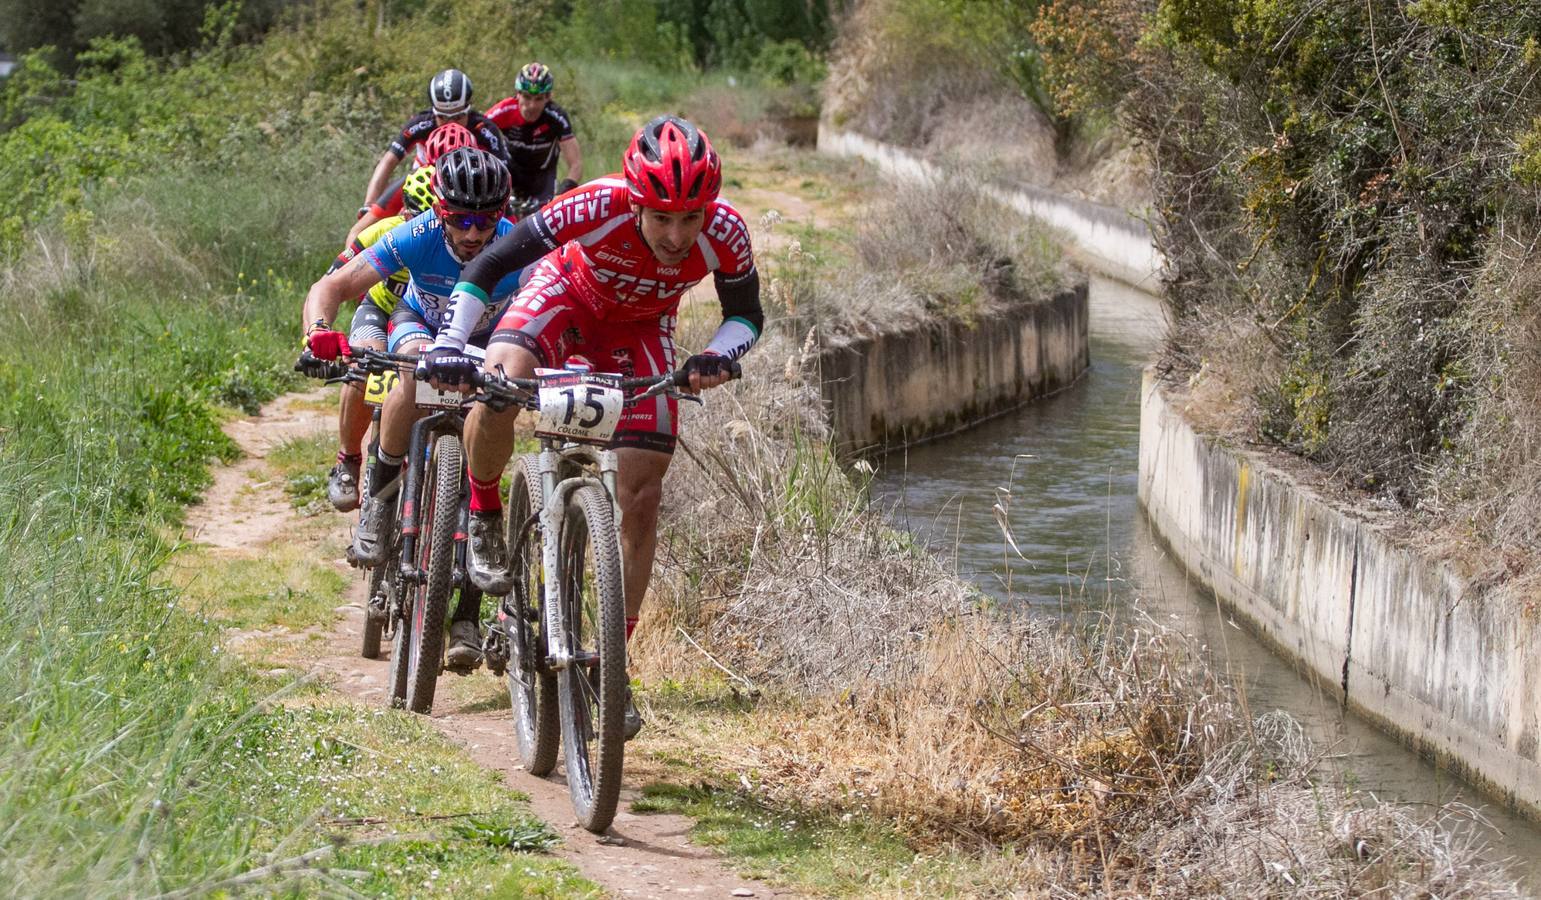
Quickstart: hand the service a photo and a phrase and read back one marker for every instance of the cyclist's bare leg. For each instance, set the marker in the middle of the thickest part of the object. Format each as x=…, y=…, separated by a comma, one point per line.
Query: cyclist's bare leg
x=640, y=483
x=353, y=416
x=489, y=435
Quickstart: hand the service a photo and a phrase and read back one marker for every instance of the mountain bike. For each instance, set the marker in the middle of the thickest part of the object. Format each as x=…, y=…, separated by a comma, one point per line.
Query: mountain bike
x=562, y=630
x=425, y=563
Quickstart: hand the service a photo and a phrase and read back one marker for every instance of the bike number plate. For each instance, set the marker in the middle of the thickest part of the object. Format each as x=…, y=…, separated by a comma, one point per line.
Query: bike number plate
x=379, y=385
x=580, y=406
x=430, y=398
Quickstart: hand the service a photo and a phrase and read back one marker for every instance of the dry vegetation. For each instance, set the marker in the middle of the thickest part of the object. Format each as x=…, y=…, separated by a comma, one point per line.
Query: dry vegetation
x=940, y=249
x=885, y=687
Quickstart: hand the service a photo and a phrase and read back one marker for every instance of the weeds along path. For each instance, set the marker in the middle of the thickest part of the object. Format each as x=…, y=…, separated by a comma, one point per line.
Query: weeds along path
x=249, y=514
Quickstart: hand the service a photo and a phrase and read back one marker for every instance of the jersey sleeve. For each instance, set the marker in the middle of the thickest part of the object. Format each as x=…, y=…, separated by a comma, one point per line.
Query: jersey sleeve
x=564, y=125
x=416, y=129
x=729, y=238
x=489, y=136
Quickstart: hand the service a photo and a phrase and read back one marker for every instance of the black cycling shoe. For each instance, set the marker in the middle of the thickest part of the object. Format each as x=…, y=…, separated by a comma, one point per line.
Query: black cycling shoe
x=465, y=646
x=342, y=485
x=373, y=534
x=487, y=554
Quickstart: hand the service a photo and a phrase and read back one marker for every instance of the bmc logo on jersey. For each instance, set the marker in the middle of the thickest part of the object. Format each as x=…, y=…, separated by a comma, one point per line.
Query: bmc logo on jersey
x=729, y=229
x=577, y=210
x=624, y=262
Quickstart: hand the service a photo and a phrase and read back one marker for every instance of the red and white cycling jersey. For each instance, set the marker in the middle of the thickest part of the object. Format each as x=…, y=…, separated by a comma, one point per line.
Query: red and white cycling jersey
x=608, y=267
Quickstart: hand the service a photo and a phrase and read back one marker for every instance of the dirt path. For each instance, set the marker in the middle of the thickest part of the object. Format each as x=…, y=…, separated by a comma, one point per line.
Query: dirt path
x=246, y=511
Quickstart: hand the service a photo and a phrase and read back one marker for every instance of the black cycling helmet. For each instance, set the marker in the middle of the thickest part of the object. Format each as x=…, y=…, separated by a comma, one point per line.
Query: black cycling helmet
x=471, y=180
x=450, y=93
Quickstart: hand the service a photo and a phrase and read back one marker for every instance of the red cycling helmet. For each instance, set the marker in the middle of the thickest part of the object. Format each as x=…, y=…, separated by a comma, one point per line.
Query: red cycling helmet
x=671, y=166
x=447, y=137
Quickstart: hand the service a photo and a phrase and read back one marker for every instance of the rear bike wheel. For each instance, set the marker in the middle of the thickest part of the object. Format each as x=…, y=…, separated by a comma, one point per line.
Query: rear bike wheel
x=531, y=685
x=592, y=689
x=439, y=501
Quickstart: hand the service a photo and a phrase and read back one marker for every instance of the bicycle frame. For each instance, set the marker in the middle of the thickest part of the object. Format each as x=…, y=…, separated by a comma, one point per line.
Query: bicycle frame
x=559, y=653
x=449, y=421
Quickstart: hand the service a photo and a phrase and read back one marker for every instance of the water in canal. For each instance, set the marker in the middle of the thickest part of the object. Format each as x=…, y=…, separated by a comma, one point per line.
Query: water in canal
x=1070, y=464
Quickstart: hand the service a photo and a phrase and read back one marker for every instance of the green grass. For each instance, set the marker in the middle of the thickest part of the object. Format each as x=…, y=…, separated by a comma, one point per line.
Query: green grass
x=303, y=464
x=286, y=587
x=784, y=846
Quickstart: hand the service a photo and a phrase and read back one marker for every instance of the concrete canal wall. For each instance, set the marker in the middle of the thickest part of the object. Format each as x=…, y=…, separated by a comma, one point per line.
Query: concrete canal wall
x=1107, y=239
x=1405, y=641
x=902, y=387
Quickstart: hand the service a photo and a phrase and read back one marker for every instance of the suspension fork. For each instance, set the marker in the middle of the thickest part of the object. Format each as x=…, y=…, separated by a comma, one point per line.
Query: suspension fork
x=424, y=430
x=558, y=648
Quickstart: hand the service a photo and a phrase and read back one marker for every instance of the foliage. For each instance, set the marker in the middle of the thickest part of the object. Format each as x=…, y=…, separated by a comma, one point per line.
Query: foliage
x=162, y=26
x=165, y=216
x=902, y=64
x=1339, y=180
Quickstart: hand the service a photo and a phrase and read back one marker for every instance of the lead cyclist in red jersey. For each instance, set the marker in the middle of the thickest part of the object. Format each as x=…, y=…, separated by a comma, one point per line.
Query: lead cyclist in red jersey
x=618, y=254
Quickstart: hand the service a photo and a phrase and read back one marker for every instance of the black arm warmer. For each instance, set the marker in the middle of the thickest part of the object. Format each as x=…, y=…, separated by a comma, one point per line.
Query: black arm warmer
x=528, y=242
x=740, y=296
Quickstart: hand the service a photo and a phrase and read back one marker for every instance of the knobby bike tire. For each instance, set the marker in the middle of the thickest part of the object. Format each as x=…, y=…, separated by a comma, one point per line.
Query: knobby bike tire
x=593, y=695
x=440, y=503
x=531, y=685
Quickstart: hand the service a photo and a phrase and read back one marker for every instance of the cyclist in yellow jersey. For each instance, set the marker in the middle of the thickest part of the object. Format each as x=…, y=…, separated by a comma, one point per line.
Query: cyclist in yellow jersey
x=370, y=322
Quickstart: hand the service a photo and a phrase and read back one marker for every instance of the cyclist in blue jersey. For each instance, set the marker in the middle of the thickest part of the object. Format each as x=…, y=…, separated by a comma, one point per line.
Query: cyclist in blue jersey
x=473, y=188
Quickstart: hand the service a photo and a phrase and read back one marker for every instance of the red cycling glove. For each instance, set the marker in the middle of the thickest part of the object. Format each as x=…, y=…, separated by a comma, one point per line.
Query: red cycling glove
x=329, y=344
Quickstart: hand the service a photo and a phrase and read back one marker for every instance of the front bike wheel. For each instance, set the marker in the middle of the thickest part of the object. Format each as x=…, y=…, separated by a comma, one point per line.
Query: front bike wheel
x=374, y=625
x=592, y=689
x=439, y=501
x=531, y=685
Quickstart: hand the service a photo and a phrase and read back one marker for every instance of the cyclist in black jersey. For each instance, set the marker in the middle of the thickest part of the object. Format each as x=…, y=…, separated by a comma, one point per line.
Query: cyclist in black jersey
x=537, y=132
x=450, y=96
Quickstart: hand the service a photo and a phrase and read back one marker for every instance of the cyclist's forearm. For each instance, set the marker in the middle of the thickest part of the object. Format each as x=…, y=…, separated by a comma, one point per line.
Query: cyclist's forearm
x=327, y=295
x=381, y=176
x=321, y=305
x=466, y=307
x=573, y=156
x=742, y=316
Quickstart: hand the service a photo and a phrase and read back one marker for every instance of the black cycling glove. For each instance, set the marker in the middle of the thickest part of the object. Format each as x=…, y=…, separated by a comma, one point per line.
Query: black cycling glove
x=709, y=364
x=311, y=366
x=447, y=366
x=565, y=185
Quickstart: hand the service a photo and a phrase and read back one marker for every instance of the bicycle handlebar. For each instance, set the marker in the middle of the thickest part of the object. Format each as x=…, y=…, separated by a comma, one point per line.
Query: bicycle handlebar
x=498, y=387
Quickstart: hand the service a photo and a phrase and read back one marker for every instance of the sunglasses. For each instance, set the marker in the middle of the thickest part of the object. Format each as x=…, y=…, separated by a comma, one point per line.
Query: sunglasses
x=465, y=221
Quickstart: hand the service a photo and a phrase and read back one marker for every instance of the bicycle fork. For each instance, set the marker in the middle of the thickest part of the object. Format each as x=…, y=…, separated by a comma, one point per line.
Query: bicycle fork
x=558, y=640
